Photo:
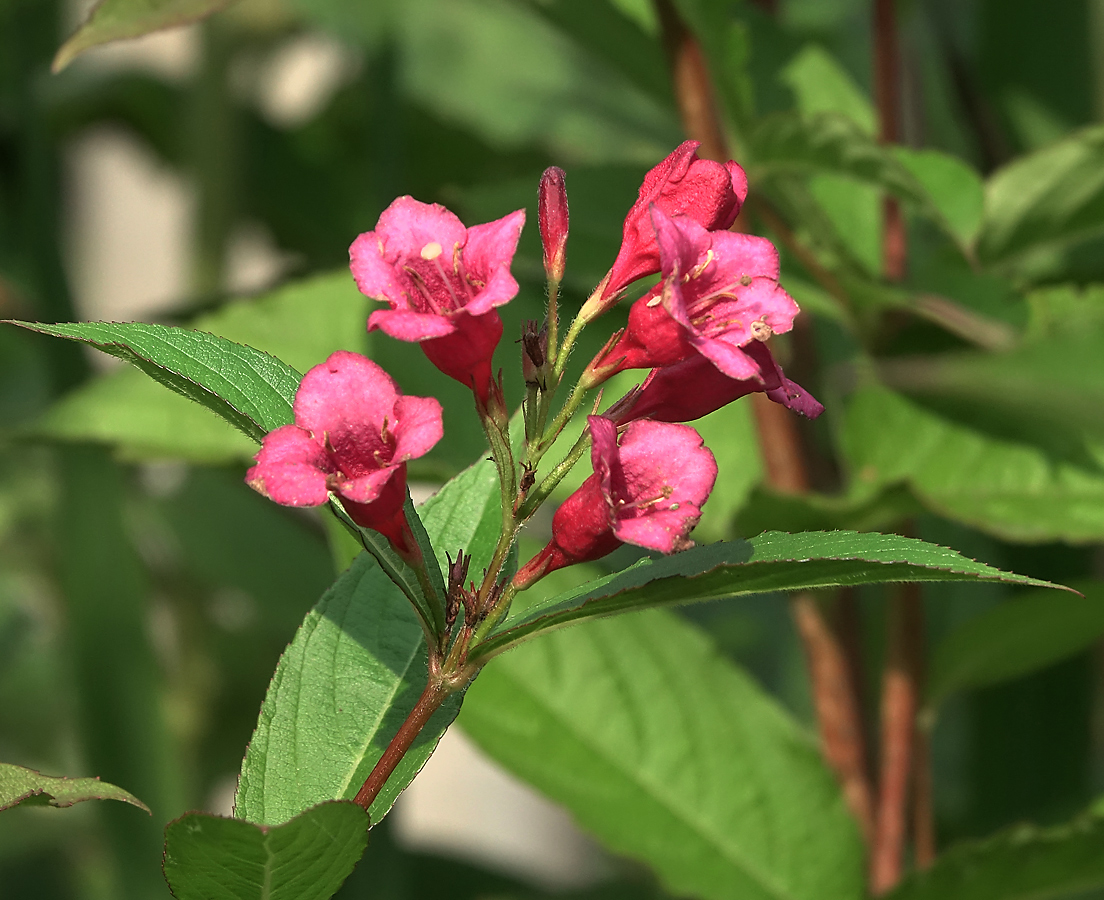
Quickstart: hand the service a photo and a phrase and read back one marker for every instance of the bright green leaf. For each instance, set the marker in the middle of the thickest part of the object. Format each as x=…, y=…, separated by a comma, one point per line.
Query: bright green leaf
x=1007, y=487
x=113, y=20
x=955, y=188
x=213, y=858
x=301, y=324
x=669, y=754
x=821, y=85
x=1048, y=198
x=1021, y=635
x=19, y=786
x=250, y=389
x=354, y=671
x=1021, y=863
x=771, y=562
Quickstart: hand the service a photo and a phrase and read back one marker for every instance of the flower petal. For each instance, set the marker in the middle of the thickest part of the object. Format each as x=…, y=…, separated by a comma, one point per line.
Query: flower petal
x=408, y=226
x=419, y=427
x=290, y=468
x=492, y=245
x=407, y=325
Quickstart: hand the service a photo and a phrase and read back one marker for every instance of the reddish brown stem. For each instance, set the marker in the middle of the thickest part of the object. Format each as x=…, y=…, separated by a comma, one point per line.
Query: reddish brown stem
x=887, y=90
x=835, y=699
x=432, y=697
x=923, y=813
x=838, y=711
x=900, y=690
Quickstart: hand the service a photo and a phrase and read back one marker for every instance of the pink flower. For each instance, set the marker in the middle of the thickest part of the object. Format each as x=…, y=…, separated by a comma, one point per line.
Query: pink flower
x=695, y=387
x=719, y=293
x=647, y=490
x=701, y=190
x=552, y=217
x=442, y=282
x=353, y=435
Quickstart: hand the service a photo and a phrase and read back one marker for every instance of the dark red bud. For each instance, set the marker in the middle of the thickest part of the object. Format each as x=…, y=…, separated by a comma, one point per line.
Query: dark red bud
x=553, y=220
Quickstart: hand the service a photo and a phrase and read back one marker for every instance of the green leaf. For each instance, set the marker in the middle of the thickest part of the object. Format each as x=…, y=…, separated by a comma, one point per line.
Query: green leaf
x=1028, y=384
x=141, y=420
x=669, y=754
x=830, y=144
x=250, y=389
x=1021, y=863
x=954, y=187
x=1021, y=635
x=1007, y=487
x=1045, y=199
x=19, y=786
x=821, y=85
x=771, y=562
x=214, y=858
x=113, y=20
x=354, y=671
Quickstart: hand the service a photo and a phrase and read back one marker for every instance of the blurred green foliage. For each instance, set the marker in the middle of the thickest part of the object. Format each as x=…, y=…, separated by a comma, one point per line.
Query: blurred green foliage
x=146, y=593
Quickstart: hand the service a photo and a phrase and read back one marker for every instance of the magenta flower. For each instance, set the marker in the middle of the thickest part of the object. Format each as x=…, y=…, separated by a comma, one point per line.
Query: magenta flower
x=353, y=434
x=701, y=190
x=695, y=387
x=442, y=282
x=647, y=490
x=719, y=293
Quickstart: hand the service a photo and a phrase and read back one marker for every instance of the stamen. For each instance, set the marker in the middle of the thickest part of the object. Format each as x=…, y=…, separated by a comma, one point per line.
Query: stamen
x=760, y=330
x=431, y=250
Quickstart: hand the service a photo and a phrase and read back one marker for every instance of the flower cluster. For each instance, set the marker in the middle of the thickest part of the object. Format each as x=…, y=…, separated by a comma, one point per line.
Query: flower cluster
x=702, y=330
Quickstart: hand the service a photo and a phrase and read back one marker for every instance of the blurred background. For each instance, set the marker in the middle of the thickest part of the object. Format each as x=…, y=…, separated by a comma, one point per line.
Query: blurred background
x=216, y=174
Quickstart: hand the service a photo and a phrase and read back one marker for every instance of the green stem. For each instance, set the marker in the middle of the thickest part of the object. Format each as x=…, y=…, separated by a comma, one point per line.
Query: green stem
x=553, y=318
x=553, y=478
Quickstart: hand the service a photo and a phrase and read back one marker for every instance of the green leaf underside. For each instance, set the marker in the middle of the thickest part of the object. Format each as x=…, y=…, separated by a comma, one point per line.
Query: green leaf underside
x=1010, y=489
x=209, y=857
x=771, y=562
x=1020, y=635
x=669, y=754
x=20, y=786
x=353, y=672
x=1020, y=863
x=250, y=389
x=113, y=20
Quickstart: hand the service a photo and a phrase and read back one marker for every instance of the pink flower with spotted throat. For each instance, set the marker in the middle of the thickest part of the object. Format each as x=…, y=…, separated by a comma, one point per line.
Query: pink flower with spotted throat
x=707, y=192
x=353, y=435
x=442, y=282
x=719, y=294
x=647, y=489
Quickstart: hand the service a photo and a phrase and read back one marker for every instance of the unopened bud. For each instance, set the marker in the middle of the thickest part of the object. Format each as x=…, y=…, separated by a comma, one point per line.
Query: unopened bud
x=553, y=220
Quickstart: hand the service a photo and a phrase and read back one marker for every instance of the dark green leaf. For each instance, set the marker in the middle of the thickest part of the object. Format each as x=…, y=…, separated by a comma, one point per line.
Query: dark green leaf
x=670, y=755
x=1007, y=487
x=1048, y=198
x=250, y=389
x=113, y=20
x=213, y=858
x=354, y=671
x=1019, y=636
x=771, y=562
x=821, y=85
x=28, y=787
x=1021, y=863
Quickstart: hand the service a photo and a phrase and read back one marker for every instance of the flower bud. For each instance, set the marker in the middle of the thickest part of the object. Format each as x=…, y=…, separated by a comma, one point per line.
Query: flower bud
x=553, y=220
x=534, y=343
